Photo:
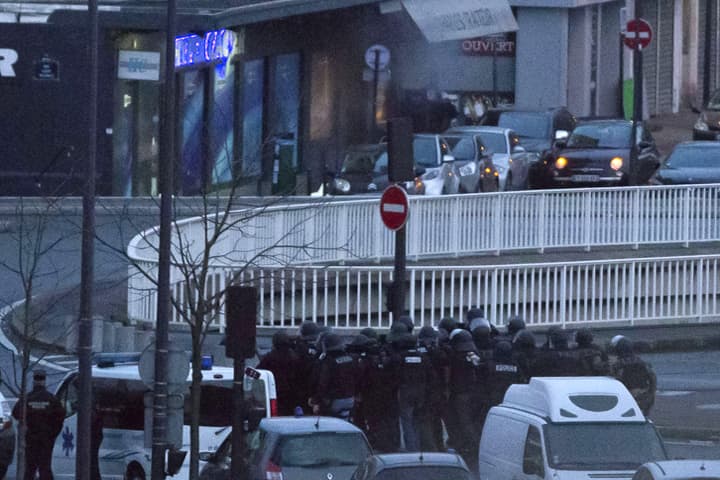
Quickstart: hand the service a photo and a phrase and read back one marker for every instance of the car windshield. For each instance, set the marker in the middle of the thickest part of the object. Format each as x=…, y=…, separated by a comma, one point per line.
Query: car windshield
x=714, y=102
x=425, y=151
x=426, y=472
x=694, y=157
x=462, y=148
x=527, y=124
x=602, y=446
x=360, y=160
x=601, y=136
x=495, y=142
x=321, y=449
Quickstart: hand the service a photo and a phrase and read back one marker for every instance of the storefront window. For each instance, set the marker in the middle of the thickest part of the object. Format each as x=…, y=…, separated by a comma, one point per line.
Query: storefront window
x=286, y=101
x=252, y=110
x=221, y=124
x=192, y=118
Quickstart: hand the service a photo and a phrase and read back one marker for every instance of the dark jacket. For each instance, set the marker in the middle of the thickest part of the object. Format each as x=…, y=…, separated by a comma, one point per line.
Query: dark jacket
x=45, y=415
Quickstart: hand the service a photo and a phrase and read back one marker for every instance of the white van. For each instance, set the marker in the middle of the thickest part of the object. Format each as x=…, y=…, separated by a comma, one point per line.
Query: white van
x=567, y=428
x=119, y=390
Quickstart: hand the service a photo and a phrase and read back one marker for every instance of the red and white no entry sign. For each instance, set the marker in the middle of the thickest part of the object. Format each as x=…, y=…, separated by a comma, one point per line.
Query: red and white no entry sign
x=638, y=34
x=394, y=207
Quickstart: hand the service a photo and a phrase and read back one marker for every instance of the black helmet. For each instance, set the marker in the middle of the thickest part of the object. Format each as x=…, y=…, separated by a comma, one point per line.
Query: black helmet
x=407, y=321
x=281, y=339
x=524, y=340
x=481, y=324
x=623, y=347
x=427, y=332
x=309, y=330
x=333, y=342
x=461, y=340
x=369, y=332
x=558, y=338
x=515, y=324
x=404, y=340
x=473, y=313
x=448, y=324
x=614, y=341
x=503, y=351
x=360, y=343
x=583, y=337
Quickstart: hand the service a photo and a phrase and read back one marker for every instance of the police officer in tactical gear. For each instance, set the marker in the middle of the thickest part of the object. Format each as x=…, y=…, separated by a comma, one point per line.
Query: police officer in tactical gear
x=636, y=374
x=468, y=394
x=307, y=354
x=337, y=377
x=44, y=417
x=432, y=438
x=524, y=351
x=503, y=371
x=283, y=362
x=592, y=358
x=414, y=371
x=556, y=359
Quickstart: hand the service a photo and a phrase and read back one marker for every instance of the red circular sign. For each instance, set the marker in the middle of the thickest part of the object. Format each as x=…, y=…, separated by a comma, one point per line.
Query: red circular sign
x=394, y=207
x=638, y=34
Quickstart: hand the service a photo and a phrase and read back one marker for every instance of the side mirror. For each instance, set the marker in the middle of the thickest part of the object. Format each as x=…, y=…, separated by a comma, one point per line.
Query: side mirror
x=419, y=171
x=448, y=158
x=561, y=134
x=206, y=456
x=559, y=144
x=518, y=149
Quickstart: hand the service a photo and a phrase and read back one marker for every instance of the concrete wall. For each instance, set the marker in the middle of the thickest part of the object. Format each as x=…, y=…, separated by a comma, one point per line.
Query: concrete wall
x=541, y=64
x=579, y=56
x=608, y=78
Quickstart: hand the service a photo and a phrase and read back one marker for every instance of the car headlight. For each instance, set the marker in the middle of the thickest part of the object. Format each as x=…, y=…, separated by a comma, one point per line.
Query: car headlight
x=468, y=169
x=500, y=168
x=342, y=185
x=616, y=163
x=701, y=123
x=561, y=163
x=431, y=175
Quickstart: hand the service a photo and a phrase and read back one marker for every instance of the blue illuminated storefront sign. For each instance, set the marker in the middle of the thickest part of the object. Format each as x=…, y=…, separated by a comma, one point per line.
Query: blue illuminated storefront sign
x=212, y=47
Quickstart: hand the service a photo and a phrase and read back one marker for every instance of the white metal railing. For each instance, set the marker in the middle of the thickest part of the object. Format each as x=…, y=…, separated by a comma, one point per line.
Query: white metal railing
x=331, y=232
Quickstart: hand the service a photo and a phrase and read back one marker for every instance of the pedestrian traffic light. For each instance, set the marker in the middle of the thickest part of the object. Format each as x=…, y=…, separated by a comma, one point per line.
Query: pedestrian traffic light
x=240, y=319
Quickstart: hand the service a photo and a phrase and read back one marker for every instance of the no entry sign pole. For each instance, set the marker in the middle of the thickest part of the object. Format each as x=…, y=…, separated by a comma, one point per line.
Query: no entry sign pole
x=394, y=210
x=638, y=36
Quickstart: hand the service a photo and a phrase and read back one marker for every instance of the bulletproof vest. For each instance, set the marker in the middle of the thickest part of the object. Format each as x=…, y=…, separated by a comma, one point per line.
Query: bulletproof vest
x=591, y=362
x=342, y=373
x=634, y=373
x=467, y=372
x=558, y=363
x=413, y=367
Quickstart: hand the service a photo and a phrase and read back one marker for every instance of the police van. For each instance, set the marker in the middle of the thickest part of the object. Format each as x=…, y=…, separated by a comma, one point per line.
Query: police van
x=567, y=428
x=119, y=393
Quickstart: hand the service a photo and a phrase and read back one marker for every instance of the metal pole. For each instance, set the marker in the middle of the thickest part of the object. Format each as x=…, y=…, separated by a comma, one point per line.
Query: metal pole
x=399, y=281
x=87, y=280
x=165, y=166
x=376, y=79
x=707, y=54
x=637, y=100
x=237, y=465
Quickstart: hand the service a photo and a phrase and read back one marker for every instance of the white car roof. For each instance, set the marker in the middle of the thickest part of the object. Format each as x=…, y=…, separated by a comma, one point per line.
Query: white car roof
x=575, y=399
x=129, y=371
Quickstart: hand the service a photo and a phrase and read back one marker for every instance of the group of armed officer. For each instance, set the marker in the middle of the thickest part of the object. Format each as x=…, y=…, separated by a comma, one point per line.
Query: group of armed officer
x=434, y=387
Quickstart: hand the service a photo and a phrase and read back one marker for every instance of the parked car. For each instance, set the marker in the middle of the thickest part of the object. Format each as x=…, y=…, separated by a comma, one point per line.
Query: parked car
x=690, y=162
x=474, y=163
x=509, y=156
x=436, y=171
x=411, y=466
x=707, y=126
x=290, y=448
x=601, y=153
x=679, y=470
x=537, y=129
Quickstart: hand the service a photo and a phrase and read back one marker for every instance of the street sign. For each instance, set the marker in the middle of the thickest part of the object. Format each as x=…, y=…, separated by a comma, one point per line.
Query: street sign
x=638, y=34
x=394, y=207
x=377, y=56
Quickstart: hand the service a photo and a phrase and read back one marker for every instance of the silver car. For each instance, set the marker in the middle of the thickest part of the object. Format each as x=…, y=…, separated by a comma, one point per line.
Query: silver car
x=435, y=166
x=510, y=158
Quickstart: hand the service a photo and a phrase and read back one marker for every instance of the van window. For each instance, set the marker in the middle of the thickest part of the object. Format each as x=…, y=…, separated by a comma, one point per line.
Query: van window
x=533, y=463
x=67, y=394
x=602, y=446
x=215, y=405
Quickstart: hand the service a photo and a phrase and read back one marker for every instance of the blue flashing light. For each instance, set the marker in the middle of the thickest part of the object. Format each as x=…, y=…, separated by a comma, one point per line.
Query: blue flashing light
x=298, y=411
x=206, y=363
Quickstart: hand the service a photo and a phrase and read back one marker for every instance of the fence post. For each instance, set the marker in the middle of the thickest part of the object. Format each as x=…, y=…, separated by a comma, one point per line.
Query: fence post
x=542, y=223
x=454, y=228
x=587, y=220
x=636, y=218
x=562, y=298
x=699, y=289
x=631, y=292
x=498, y=215
x=686, y=216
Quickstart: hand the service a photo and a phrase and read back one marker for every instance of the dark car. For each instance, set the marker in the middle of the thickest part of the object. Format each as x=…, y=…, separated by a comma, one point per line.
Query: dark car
x=412, y=466
x=290, y=448
x=690, y=162
x=707, y=126
x=537, y=129
x=474, y=163
x=601, y=153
